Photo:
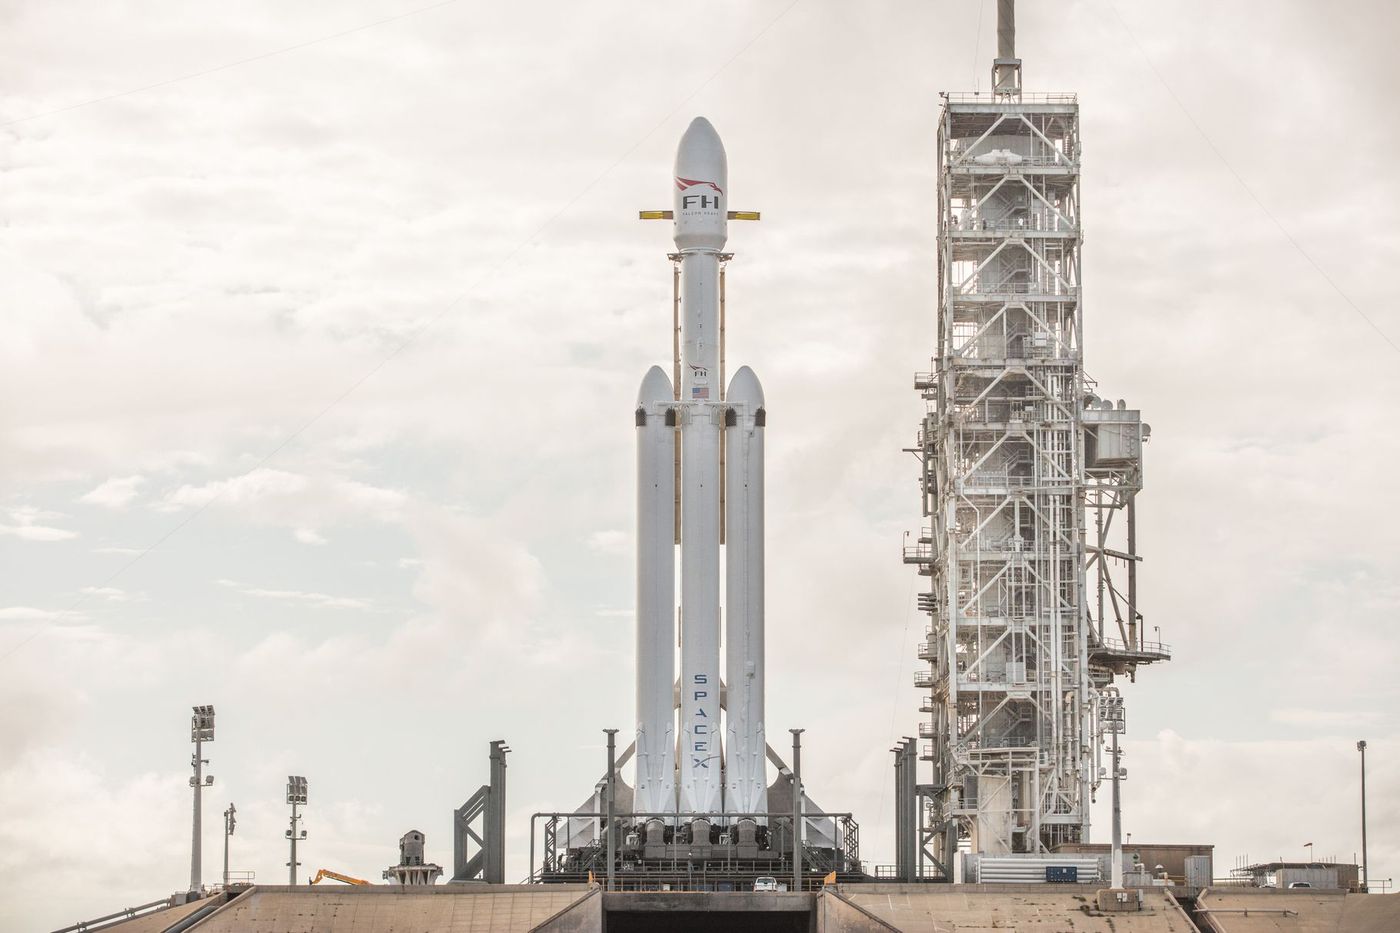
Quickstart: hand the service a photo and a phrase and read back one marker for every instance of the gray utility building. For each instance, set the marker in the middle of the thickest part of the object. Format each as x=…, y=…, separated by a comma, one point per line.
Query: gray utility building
x=1335, y=875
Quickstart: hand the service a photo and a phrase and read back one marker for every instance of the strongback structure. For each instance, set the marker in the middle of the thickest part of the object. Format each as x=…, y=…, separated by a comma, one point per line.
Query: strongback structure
x=1028, y=487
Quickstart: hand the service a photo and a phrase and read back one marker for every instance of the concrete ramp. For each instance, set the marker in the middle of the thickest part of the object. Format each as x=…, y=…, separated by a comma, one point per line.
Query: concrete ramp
x=1300, y=910
x=1031, y=908
x=460, y=908
x=582, y=916
x=836, y=914
x=157, y=921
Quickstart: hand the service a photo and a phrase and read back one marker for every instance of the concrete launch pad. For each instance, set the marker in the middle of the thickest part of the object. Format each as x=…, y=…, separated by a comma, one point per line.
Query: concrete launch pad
x=1263, y=910
x=844, y=908
x=475, y=908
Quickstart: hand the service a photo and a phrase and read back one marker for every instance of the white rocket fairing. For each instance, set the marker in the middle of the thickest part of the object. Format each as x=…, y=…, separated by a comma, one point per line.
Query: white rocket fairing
x=711, y=778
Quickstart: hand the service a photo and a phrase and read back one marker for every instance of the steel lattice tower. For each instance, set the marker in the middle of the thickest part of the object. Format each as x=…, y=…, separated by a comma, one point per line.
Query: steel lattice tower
x=1024, y=469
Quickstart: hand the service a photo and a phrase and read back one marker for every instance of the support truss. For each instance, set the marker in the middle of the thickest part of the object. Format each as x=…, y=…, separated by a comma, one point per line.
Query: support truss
x=1028, y=484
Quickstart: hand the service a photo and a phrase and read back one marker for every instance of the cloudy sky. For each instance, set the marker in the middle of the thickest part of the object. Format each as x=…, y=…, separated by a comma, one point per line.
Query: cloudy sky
x=325, y=320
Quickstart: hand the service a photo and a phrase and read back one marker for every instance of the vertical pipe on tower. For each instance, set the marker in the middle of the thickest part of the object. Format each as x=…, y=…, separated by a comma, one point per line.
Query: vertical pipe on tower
x=1134, y=636
x=612, y=809
x=676, y=388
x=797, y=809
x=1006, y=28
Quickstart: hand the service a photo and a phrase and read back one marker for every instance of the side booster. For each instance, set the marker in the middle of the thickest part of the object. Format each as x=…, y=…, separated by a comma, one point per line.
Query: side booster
x=700, y=766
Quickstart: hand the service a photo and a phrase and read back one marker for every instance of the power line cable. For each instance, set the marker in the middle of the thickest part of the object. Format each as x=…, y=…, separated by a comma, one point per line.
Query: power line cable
x=417, y=332
x=1245, y=185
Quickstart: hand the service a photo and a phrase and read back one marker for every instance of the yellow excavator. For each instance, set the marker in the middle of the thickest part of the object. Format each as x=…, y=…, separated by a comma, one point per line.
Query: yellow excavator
x=325, y=873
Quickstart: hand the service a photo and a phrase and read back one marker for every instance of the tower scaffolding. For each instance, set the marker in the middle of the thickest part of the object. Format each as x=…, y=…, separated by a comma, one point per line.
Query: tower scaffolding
x=1032, y=595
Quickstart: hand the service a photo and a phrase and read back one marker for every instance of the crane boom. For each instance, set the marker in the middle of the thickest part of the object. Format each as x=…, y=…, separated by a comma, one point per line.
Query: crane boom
x=325, y=873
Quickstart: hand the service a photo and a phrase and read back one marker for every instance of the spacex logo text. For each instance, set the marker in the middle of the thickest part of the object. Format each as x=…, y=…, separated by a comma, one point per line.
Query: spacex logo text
x=699, y=743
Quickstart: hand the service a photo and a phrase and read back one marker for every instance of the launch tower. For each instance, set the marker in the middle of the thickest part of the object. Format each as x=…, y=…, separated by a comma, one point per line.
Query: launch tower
x=1028, y=486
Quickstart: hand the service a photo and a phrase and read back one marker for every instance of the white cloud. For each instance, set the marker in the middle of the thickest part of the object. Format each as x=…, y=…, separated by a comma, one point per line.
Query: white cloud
x=116, y=493
x=31, y=613
x=1261, y=798
x=289, y=499
x=308, y=536
x=612, y=542
x=27, y=526
x=38, y=532
x=475, y=572
x=124, y=827
x=109, y=593
x=315, y=600
x=1296, y=716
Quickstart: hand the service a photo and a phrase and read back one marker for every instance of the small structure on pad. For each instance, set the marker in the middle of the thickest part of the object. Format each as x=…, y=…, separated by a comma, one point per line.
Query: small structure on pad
x=411, y=868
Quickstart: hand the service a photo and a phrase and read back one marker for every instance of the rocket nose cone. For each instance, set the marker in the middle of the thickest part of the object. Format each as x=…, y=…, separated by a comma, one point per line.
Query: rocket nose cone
x=745, y=387
x=656, y=387
x=700, y=152
x=701, y=189
x=699, y=129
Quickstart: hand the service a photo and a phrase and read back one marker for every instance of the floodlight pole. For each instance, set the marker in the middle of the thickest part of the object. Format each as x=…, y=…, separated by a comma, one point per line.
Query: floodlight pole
x=201, y=728
x=196, y=855
x=296, y=794
x=797, y=809
x=1117, y=856
x=1365, y=874
x=292, y=835
x=229, y=823
x=1113, y=721
x=612, y=794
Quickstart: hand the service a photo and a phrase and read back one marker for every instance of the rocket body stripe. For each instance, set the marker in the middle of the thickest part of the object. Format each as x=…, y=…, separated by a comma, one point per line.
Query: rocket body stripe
x=746, y=781
x=656, y=597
